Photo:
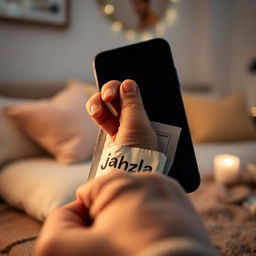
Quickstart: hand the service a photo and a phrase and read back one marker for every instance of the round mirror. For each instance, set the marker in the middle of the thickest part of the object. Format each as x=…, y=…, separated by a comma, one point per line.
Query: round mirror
x=138, y=16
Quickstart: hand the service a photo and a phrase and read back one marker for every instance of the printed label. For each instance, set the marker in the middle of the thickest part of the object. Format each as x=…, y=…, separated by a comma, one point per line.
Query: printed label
x=130, y=159
x=168, y=138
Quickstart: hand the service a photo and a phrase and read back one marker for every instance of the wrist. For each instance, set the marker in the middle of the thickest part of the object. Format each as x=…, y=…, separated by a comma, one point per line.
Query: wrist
x=177, y=246
x=145, y=139
x=131, y=159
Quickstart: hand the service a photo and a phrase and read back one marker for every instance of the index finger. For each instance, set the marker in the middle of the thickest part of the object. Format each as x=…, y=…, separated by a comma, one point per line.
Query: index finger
x=64, y=232
x=70, y=215
x=91, y=193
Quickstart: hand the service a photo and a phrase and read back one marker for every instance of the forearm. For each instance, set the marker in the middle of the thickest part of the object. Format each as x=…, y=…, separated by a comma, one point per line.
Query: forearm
x=178, y=247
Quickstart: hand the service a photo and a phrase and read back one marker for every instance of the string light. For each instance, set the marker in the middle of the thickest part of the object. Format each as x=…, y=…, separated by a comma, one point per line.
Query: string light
x=146, y=36
x=171, y=16
x=159, y=29
x=109, y=9
x=117, y=25
x=130, y=34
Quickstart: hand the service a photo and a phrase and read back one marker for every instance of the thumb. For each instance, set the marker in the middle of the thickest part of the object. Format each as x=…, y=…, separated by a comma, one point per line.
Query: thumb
x=133, y=115
x=134, y=122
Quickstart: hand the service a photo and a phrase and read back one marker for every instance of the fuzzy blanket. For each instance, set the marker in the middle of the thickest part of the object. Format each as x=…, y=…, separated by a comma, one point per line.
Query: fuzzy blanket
x=228, y=219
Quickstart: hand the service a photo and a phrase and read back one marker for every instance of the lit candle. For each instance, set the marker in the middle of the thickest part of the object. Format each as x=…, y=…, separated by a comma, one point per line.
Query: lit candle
x=226, y=169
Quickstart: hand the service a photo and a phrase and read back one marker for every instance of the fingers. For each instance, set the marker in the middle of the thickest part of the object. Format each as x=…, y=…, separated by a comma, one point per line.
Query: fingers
x=72, y=214
x=101, y=114
x=110, y=90
x=132, y=126
x=64, y=232
x=59, y=222
x=101, y=192
x=98, y=193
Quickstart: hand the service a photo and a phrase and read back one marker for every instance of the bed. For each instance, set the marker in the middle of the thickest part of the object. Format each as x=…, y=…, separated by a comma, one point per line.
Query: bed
x=231, y=225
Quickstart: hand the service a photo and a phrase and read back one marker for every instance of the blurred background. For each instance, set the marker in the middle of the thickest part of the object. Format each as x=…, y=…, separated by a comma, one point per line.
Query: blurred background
x=46, y=43
x=213, y=42
x=46, y=52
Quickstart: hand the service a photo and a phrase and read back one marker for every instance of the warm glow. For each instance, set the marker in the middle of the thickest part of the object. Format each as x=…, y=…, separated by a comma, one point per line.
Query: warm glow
x=171, y=15
x=228, y=161
x=253, y=111
x=146, y=36
x=160, y=29
x=130, y=34
x=226, y=168
x=109, y=9
x=117, y=26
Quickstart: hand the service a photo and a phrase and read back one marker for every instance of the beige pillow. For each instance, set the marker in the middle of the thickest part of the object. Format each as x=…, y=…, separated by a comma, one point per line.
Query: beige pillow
x=60, y=124
x=214, y=120
x=89, y=89
x=14, y=144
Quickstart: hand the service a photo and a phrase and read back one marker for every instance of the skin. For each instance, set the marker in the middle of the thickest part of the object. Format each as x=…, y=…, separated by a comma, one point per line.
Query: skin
x=121, y=213
x=132, y=127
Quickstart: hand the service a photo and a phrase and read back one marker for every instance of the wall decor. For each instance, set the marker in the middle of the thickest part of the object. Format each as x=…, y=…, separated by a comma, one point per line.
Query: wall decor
x=139, y=19
x=53, y=13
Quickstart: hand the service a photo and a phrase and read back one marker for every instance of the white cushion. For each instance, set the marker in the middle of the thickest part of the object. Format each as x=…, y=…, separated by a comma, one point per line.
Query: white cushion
x=39, y=185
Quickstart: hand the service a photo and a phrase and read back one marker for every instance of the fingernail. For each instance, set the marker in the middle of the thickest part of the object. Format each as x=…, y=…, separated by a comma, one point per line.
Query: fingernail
x=108, y=92
x=95, y=108
x=130, y=88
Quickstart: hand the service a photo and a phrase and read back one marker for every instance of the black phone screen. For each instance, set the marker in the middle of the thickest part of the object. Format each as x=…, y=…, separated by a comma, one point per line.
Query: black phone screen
x=151, y=65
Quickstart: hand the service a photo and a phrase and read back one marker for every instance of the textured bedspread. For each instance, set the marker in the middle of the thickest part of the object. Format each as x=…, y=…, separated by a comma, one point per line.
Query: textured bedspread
x=17, y=231
x=231, y=226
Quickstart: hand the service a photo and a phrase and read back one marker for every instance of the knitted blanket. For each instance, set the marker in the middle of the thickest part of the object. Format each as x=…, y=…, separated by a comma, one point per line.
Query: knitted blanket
x=230, y=221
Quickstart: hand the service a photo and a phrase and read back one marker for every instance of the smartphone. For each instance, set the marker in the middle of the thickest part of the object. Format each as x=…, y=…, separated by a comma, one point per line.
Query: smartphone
x=150, y=64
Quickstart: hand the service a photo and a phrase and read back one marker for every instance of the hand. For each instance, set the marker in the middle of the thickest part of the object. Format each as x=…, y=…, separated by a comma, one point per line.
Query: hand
x=131, y=127
x=121, y=214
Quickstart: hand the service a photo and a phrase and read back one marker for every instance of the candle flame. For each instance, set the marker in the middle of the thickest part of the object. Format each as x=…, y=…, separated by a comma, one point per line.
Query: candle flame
x=229, y=161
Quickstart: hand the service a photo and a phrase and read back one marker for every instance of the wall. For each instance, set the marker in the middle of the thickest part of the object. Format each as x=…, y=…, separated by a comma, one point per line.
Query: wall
x=31, y=53
x=205, y=42
x=243, y=47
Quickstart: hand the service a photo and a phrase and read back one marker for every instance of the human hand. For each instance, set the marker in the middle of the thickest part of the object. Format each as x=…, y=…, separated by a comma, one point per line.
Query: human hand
x=132, y=126
x=121, y=214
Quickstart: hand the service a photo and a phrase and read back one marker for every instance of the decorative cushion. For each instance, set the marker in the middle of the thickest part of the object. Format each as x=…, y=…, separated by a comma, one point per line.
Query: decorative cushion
x=213, y=120
x=60, y=124
x=14, y=144
x=89, y=89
